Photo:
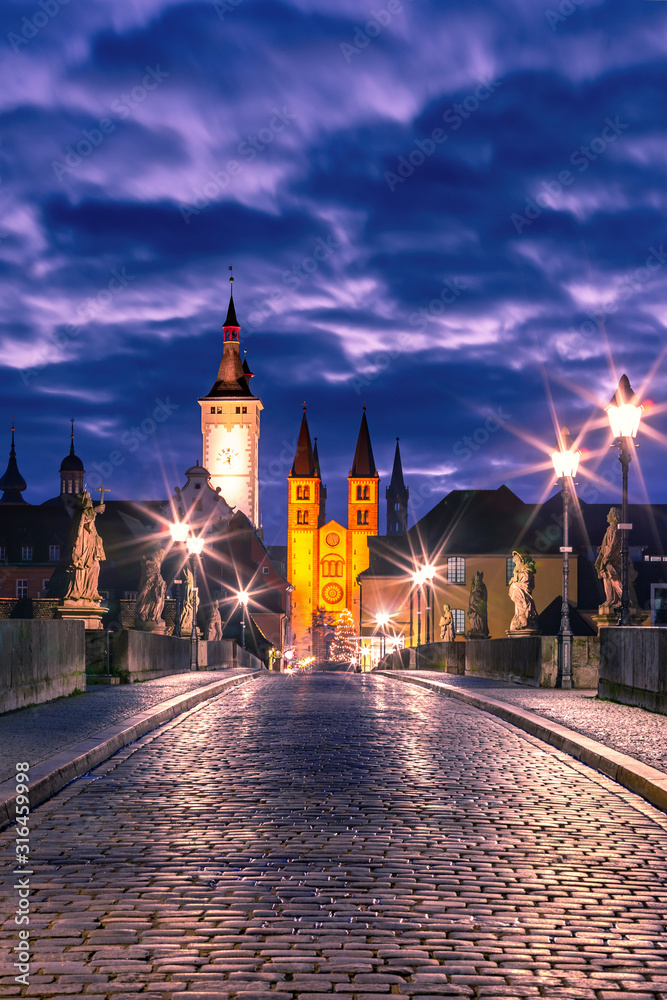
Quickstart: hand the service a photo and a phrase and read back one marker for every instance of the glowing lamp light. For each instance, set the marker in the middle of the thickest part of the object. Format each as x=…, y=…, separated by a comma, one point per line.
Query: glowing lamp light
x=382, y=619
x=179, y=531
x=243, y=597
x=566, y=460
x=624, y=414
x=428, y=572
x=195, y=546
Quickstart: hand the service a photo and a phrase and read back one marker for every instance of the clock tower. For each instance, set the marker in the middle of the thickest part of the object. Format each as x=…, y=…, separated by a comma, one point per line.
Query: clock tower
x=230, y=425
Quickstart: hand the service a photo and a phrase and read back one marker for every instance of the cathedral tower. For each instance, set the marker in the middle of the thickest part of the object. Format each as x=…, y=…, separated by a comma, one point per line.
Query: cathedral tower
x=303, y=557
x=362, y=513
x=397, y=499
x=230, y=425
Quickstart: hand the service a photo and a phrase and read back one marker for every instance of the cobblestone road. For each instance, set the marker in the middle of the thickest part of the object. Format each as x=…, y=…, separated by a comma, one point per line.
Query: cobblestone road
x=56, y=725
x=350, y=836
x=631, y=730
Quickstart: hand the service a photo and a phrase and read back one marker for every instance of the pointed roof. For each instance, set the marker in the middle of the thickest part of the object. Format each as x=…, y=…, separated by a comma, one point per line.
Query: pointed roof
x=397, y=482
x=71, y=463
x=304, y=460
x=363, y=466
x=316, y=459
x=231, y=319
x=12, y=483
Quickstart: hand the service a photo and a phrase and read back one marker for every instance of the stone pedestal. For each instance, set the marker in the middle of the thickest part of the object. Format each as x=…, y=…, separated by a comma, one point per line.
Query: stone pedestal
x=477, y=635
x=158, y=627
x=88, y=612
x=608, y=616
x=521, y=633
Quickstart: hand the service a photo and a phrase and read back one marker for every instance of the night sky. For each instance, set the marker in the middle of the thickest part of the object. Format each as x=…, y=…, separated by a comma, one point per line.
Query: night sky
x=452, y=213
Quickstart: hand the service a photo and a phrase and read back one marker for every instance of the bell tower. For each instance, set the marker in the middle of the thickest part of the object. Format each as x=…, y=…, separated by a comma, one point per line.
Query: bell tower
x=362, y=513
x=230, y=425
x=303, y=550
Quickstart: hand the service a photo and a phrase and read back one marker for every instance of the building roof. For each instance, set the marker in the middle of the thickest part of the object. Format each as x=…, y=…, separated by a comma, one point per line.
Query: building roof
x=304, y=459
x=12, y=483
x=363, y=466
x=234, y=375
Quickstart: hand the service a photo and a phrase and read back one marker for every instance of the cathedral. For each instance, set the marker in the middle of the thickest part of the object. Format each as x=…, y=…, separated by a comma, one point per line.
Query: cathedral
x=325, y=558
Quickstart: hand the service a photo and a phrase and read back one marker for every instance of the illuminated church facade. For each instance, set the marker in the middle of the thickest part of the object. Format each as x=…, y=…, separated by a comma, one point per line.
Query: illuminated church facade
x=325, y=558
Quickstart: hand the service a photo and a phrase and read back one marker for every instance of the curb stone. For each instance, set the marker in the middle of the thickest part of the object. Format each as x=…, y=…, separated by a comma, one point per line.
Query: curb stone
x=644, y=780
x=50, y=775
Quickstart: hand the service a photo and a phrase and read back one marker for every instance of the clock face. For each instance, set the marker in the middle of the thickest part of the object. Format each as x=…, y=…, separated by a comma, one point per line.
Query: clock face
x=228, y=457
x=332, y=539
x=332, y=593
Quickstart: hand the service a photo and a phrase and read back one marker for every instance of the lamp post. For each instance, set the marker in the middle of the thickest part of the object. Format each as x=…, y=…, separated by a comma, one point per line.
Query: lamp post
x=428, y=573
x=382, y=620
x=195, y=546
x=566, y=462
x=422, y=575
x=243, y=597
x=624, y=416
x=179, y=532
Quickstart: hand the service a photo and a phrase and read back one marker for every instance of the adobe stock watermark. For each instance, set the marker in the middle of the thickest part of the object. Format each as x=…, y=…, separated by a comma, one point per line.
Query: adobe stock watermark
x=131, y=440
x=86, y=311
x=628, y=284
x=581, y=158
x=219, y=180
x=31, y=26
x=451, y=289
x=454, y=116
x=23, y=871
x=123, y=107
x=378, y=20
x=565, y=9
x=223, y=7
x=260, y=309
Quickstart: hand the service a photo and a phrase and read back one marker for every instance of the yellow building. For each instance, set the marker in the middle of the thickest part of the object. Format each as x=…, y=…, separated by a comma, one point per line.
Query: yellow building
x=324, y=558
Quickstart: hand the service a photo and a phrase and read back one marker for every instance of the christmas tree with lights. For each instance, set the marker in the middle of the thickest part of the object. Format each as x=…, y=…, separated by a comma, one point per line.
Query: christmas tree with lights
x=344, y=646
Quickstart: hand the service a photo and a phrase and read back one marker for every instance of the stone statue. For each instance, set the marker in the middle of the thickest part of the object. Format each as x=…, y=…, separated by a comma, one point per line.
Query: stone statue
x=189, y=612
x=86, y=552
x=521, y=589
x=214, y=624
x=447, y=628
x=477, y=607
x=152, y=588
x=608, y=566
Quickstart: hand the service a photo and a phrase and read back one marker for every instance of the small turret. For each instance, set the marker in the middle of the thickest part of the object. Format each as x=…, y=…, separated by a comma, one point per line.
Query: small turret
x=71, y=470
x=12, y=483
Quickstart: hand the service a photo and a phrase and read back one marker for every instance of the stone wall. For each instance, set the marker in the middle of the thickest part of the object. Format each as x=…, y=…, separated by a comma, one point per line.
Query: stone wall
x=40, y=660
x=633, y=666
x=528, y=660
x=138, y=656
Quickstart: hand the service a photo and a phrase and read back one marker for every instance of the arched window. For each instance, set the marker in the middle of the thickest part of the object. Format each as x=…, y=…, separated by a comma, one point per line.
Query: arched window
x=299, y=492
x=306, y=493
x=332, y=567
x=359, y=496
x=367, y=495
x=362, y=517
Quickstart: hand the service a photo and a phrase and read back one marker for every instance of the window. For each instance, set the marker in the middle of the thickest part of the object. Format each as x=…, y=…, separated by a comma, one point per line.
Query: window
x=306, y=493
x=302, y=517
x=265, y=570
x=362, y=517
x=220, y=409
x=21, y=588
x=244, y=409
x=45, y=584
x=213, y=409
x=238, y=409
x=3, y=554
x=129, y=595
x=54, y=553
x=456, y=569
x=509, y=570
x=459, y=616
x=26, y=553
x=332, y=567
x=362, y=493
x=104, y=594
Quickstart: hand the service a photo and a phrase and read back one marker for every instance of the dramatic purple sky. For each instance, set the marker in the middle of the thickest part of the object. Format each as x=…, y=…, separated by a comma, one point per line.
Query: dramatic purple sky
x=368, y=177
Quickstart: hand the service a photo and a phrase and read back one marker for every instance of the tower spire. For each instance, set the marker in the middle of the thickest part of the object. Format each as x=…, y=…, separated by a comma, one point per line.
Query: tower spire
x=363, y=466
x=71, y=469
x=304, y=459
x=397, y=494
x=12, y=483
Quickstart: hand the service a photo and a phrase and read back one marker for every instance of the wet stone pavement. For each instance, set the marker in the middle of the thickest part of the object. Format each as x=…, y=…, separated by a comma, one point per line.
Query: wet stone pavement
x=345, y=835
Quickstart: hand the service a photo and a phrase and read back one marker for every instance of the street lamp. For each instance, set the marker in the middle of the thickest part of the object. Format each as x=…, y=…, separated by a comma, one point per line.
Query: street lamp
x=243, y=597
x=382, y=619
x=566, y=462
x=624, y=416
x=195, y=547
x=179, y=532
